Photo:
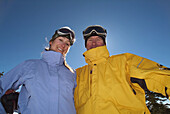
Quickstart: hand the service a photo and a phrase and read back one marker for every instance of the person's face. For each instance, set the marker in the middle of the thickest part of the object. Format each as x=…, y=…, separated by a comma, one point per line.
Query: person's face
x=94, y=41
x=60, y=44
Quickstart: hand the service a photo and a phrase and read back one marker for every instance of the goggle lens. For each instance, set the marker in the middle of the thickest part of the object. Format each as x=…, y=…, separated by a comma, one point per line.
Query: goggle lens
x=67, y=31
x=97, y=29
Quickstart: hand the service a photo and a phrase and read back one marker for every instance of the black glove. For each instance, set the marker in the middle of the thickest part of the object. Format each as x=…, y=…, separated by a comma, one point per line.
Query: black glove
x=9, y=102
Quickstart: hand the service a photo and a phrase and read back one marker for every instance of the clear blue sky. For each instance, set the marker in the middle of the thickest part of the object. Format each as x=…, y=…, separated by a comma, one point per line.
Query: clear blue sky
x=141, y=27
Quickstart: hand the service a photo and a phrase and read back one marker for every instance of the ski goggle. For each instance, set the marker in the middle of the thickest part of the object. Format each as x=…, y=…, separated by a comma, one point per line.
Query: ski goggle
x=99, y=30
x=65, y=32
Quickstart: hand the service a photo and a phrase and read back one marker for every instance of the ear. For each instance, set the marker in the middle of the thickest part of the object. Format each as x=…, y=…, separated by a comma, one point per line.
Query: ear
x=50, y=42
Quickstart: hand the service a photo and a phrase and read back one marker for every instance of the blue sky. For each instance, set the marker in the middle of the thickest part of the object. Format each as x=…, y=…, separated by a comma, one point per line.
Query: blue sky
x=141, y=27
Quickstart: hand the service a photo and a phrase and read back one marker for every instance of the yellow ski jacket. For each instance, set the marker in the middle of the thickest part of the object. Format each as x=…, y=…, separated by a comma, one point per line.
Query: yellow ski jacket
x=116, y=84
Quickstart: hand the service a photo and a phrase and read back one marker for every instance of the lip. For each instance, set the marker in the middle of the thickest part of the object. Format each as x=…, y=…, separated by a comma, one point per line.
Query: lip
x=60, y=50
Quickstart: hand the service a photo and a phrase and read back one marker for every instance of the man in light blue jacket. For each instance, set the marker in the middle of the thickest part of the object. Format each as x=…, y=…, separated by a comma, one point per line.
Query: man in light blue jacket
x=48, y=83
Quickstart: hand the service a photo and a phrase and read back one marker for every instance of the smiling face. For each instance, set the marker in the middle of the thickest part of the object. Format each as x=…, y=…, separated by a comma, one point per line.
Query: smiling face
x=60, y=44
x=94, y=41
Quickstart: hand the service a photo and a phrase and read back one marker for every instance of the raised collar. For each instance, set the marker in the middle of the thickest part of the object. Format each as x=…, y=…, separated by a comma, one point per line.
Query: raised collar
x=53, y=58
x=96, y=55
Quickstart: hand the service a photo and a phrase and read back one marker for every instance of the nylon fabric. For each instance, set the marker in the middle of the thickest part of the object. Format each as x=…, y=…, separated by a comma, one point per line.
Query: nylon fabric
x=104, y=86
x=48, y=86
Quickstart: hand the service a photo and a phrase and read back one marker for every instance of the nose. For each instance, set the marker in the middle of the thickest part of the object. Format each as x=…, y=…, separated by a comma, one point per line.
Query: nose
x=94, y=42
x=63, y=44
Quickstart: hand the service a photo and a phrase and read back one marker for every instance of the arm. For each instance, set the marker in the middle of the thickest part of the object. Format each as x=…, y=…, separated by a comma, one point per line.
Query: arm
x=14, y=78
x=149, y=74
x=75, y=82
x=10, y=79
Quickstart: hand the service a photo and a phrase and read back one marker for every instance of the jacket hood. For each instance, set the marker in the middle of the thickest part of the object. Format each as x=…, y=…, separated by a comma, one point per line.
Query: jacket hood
x=53, y=58
x=96, y=55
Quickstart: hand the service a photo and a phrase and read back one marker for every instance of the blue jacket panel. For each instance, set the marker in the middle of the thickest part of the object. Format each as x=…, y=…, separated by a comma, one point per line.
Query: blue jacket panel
x=47, y=85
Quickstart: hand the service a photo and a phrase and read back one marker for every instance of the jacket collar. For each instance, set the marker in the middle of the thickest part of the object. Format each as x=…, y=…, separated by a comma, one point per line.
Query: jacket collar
x=53, y=58
x=96, y=55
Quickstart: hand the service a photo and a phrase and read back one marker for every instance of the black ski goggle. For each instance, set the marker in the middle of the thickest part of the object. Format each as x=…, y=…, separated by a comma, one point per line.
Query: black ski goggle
x=95, y=28
x=65, y=31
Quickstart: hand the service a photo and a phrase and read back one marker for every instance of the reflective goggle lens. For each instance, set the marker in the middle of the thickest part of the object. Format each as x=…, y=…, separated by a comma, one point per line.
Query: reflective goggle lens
x=66, y=32
x=96, y=28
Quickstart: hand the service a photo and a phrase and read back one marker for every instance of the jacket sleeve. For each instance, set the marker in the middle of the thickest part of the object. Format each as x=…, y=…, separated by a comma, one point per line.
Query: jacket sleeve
x=75, y=81
x=149, y=74
x=2, y=110
x=14, y=78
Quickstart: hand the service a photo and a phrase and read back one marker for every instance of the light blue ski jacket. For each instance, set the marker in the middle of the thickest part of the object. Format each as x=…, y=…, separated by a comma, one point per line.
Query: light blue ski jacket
x=47, y=85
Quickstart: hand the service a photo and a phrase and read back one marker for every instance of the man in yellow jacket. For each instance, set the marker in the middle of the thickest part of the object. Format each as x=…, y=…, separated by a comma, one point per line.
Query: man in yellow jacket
x=116, y=84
